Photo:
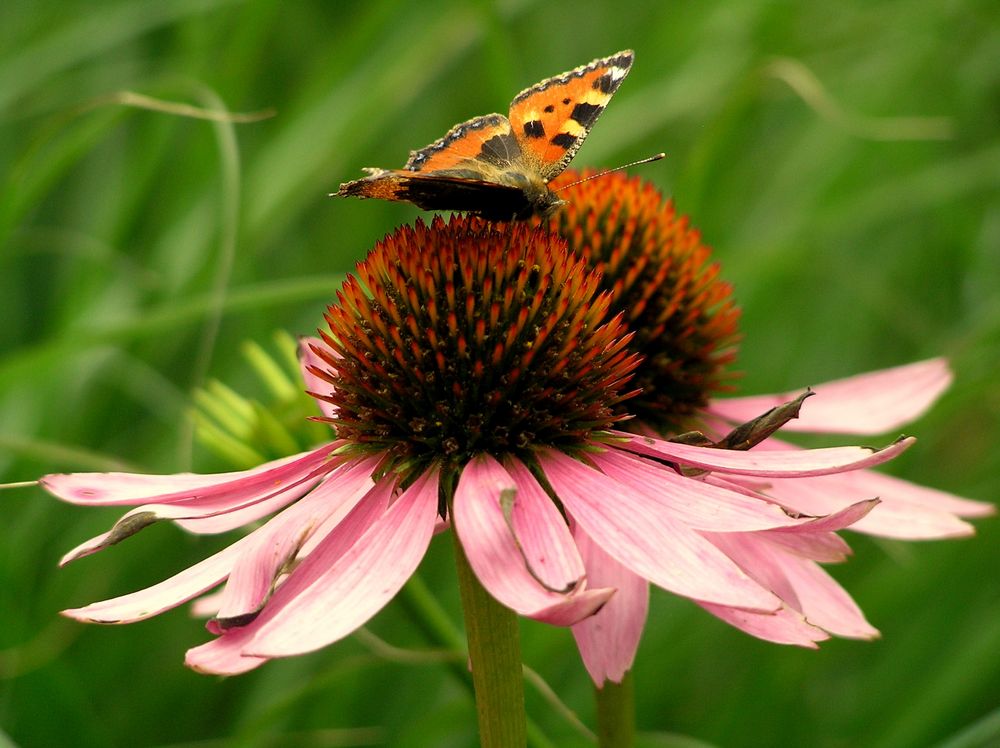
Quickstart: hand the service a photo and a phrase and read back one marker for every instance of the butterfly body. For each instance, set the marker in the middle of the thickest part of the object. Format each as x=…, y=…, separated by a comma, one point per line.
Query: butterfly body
x=499, y=167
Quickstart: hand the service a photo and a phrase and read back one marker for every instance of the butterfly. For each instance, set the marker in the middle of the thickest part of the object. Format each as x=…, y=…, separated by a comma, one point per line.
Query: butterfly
x=499, y=167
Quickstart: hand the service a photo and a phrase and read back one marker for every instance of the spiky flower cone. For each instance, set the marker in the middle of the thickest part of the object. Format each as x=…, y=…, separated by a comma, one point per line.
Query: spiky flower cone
x=663, y=281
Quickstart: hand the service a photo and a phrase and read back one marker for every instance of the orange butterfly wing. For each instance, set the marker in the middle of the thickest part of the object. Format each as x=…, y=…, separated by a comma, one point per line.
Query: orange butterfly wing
x=497, y=167
x=487, y=138
x=552, y=118
x=455, y=172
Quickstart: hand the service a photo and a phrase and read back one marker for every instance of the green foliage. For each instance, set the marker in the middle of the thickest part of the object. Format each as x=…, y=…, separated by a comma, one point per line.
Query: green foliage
x=859, y=221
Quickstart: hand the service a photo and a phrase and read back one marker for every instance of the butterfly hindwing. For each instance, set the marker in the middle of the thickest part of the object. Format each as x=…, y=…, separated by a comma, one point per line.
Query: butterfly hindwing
x=552, y=118
x=437, y=191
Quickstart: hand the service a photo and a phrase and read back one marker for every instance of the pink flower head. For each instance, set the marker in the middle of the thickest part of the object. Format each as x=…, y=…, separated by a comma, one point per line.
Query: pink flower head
x=473, y=378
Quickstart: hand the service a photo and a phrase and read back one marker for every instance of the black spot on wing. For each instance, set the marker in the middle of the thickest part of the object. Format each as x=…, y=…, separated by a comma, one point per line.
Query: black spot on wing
x=549, y=109
x=585, y=113
x=564, y=140
x=607, y=84
x=534, y=128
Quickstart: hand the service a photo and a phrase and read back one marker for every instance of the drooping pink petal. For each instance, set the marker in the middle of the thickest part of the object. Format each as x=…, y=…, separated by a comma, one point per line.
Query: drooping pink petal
x=309, y=361
x=344, y=594
x=906, y=511
x=824, y=547
x=759, y=560
x=608, y=640
x=210, y=515
x=781, y=627
x=170, y=593
x=872, y=403
x=825, y=603
x=890, y=488
x=173, y=591
x=847, y=517
x=226, y=654
x=214, y=522
x=198, y=508
x=544, y=577
x=542, y=531
x=699, y=505
x=277, y=543
x=800, y=582
x=765, y=463
x=138, y=519
x=125, y=489
x=643, y=537
x=817, y=539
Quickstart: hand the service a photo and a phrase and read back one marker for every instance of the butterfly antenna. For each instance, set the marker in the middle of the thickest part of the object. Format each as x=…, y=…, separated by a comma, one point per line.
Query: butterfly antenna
x=604, y=173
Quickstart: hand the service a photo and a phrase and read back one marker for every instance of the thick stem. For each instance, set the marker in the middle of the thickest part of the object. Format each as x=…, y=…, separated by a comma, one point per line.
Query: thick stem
x=616, y=713
x=495, y=657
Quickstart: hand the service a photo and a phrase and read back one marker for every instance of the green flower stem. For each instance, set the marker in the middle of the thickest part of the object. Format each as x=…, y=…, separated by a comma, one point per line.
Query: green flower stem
x=616, y=713
x=495, y=656
x=426, y=612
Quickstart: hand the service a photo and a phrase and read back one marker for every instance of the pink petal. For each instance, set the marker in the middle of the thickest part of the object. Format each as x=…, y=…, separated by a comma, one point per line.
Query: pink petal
x=542, y=531
x=642, y=536
x=817, y=540
x=765, y=463
x=276, y=544
x=608, y=640
x=242, y=496
x=801, y=583
x=781, y=627
x=556, y=593
x=169, y=593
x=308, y=362
x=225, y=655
x=697, y=504
x=825, y=603
x=131, y=488
x=872, y=403
x=847, y=517
x=889, y=488
x=239, y=515
x=344, y=594
x=758, y=558
x=210, y=515
x=906, y=510
x=824, y=547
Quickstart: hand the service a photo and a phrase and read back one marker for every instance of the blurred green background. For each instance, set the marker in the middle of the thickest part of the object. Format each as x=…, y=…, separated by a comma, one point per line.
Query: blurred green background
x=842, y=159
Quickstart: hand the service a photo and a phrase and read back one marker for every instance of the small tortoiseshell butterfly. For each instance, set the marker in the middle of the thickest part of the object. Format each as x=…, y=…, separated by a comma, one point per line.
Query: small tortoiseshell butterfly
x=499, y=167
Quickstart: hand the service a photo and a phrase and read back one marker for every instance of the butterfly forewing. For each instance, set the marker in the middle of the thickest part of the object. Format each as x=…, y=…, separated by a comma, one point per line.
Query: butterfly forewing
x=552, y=118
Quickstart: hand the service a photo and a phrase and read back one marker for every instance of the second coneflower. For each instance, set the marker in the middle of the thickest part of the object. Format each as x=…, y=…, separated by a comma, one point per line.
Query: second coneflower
x=473, y=377
x=662, y=280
